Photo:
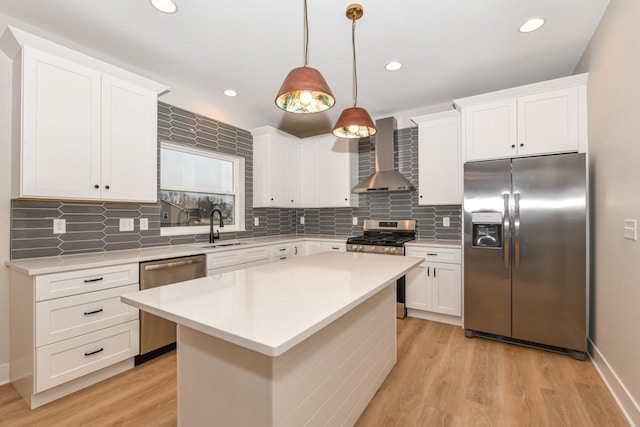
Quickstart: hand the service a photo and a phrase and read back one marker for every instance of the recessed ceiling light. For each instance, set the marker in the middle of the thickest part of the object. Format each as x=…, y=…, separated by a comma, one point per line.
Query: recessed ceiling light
x=393, y=66
x=230, y=92
x=531, y=25
x=165, y=6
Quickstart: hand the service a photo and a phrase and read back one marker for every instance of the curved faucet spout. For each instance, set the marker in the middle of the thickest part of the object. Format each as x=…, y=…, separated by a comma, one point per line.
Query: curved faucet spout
x=212, y=236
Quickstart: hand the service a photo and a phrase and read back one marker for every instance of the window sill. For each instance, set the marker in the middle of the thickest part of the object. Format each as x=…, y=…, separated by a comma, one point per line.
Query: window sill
x=204, y=229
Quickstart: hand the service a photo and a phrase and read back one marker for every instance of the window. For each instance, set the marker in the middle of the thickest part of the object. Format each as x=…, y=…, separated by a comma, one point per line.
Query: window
x=193, y=182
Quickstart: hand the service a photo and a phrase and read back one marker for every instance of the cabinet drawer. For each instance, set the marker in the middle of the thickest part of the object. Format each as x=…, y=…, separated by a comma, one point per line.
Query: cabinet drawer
x=64, y=318
x=436, y=254
x=256, y=254
x=56, y=285
x=70, y=359
x=224, y=259
x=281, y=250
x=334, y=246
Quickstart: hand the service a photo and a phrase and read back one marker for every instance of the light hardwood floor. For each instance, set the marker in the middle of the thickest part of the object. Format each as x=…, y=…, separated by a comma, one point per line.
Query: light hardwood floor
x=442, y=379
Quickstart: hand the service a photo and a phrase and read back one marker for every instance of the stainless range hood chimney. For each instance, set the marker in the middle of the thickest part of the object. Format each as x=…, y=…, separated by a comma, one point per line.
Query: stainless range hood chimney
x=385, y=179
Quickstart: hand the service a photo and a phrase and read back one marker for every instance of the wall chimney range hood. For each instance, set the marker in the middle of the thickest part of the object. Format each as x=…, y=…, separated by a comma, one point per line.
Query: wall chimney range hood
x=385, y=179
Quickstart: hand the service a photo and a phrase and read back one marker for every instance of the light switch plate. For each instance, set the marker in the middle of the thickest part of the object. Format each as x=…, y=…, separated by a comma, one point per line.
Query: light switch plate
x=355, y=220
x=256, y=221
x=59, y=226
x=446, y=222
x=126, y=224
x=631, y=229
x=144, y=224
x=302, y=220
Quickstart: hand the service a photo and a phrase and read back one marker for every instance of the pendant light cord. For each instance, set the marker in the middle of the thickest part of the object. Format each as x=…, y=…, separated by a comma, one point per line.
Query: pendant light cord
x=355, y=73
x=306, y=33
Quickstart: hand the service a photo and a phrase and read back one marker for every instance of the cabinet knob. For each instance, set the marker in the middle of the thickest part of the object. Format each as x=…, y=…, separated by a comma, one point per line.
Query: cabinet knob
x=106, y=187
x=421, y=197
x=513, y=145
x=272, y=199
x=345, y=199
x=96, y=186
x=291, y=200
x=521, y=145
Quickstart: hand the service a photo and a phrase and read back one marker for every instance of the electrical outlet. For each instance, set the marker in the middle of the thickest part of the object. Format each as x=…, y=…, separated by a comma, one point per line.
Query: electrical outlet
x=126, y=224
x=302, y=220
x=631, y=229
x=354, y=220
x=144, y=224
x=446, y=222
x=256, y=221
x=59, y=226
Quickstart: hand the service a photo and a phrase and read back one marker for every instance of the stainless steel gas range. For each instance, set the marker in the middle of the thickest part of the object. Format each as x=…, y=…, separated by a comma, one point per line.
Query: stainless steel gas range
x=386, y=237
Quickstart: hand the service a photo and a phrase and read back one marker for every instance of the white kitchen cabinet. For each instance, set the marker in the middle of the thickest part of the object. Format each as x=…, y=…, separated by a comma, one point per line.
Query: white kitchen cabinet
x=336, y=168
x=82, y=129
x=129, y=148
x=276, y=168
x=313, y=247
x=434, y=289
x=439, y=159
x=70, y=330
x=299, y=249
x=334, y=246
x=543, y=118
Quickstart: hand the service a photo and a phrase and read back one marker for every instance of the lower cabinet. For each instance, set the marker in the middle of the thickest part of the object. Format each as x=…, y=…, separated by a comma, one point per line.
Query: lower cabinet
x=70, y=330
x=435, y=286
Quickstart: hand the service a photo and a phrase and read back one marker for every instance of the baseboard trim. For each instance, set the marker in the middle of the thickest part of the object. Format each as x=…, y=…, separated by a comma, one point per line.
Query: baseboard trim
x=436, y=317
x=4, y=374
x=625, y=400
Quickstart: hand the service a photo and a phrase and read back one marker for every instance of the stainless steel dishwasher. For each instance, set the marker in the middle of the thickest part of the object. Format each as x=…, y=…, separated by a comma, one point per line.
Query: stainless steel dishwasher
x=157, y=335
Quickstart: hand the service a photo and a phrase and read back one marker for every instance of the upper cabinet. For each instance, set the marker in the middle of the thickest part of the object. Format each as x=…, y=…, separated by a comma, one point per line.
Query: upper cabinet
x=82, y=129
x=314, y=172
x=335, y=165
x=276, y=169
x=439, y=159
x=542, y=118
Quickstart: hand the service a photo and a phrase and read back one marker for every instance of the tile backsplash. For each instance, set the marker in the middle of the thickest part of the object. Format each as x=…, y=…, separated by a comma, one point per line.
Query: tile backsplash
x=94, y=227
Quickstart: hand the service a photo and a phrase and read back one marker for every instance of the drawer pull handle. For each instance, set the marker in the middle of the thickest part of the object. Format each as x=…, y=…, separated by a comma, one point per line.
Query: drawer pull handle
x=431, y=254
x=284, y=257
x=97, y=279
x=282, y=249
x=335, y=248
x=87, y=313
x=94, y=352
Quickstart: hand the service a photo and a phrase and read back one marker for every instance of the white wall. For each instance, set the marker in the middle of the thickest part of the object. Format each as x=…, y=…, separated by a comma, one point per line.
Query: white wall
x=5, y=181
x=613, y=62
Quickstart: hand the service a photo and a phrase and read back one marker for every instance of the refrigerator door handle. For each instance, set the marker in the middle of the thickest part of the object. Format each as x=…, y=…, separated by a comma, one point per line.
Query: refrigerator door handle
x=516, y=226
x=507, y=237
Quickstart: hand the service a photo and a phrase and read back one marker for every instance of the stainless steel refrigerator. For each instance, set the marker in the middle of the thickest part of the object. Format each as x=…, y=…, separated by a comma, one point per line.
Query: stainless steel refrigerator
x=525, y=249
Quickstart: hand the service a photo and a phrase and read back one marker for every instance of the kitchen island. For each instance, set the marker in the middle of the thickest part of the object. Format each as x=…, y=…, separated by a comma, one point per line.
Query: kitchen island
x=308, y=340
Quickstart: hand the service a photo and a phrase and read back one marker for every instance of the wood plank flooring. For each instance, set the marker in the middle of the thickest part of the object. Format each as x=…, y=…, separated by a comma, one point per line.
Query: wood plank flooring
x=442, y=379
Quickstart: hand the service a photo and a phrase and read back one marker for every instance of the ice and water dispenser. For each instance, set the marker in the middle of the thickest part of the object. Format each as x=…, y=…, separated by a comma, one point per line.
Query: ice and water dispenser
x=487, y=229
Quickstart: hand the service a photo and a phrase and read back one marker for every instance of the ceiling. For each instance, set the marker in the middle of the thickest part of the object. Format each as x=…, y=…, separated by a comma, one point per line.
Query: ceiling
x=449, y=48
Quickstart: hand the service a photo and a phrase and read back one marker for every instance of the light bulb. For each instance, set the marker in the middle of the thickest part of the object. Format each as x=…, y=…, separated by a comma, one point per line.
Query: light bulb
x=165, y=6
x=531, y=25
x=306, y=97
x=353, y=129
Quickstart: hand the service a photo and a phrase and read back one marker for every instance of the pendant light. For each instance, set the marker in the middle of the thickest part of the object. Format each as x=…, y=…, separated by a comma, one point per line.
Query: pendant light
x=354, y=122
x=304, y=90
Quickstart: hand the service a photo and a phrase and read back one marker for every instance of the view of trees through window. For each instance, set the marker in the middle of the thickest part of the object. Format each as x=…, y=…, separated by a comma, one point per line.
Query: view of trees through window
x=181, y=208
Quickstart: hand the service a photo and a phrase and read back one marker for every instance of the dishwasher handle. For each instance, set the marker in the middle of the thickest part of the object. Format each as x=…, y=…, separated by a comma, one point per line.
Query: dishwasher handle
x=171, y=264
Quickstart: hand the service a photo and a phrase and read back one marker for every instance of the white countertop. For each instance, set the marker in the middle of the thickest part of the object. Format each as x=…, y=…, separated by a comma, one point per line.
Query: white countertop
x=271, y=308
x=46, y=265
x=435, y=242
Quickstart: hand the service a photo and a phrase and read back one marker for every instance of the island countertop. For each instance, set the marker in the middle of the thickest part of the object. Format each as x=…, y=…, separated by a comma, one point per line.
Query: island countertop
x=271, y=308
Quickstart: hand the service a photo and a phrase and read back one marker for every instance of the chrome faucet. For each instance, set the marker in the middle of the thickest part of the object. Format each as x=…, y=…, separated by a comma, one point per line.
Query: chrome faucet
x=212, y=236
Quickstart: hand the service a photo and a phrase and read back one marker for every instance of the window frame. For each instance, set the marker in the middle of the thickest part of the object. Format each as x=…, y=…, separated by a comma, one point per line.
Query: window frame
x=239, y=190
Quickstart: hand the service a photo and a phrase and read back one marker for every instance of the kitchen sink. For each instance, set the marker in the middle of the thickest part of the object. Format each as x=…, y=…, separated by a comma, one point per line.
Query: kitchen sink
x=222, y=245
